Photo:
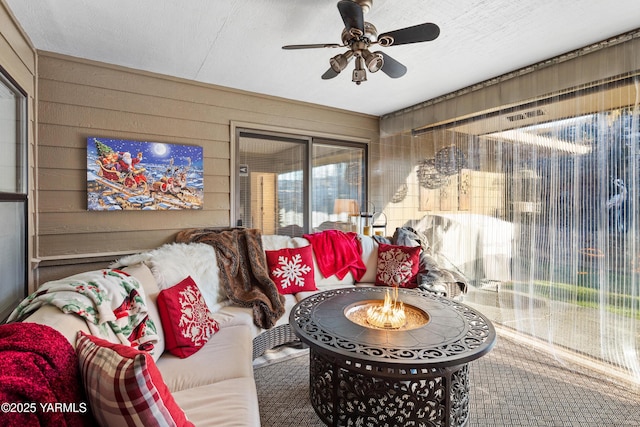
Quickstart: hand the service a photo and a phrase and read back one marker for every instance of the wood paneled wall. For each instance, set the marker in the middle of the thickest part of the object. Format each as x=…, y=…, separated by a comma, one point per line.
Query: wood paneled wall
x=80, y=98
x=19, y=59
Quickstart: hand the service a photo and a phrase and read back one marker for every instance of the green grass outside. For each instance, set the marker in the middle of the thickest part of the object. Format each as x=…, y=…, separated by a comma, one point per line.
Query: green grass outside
x=622, y=304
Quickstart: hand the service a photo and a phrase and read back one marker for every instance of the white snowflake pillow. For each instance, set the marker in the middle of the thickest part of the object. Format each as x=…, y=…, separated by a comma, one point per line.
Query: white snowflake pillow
x=186, y=319
x=292, y=269
x=398, y=266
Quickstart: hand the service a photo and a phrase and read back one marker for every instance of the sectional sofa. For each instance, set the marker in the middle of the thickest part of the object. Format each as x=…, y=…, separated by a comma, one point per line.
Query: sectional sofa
x=213, y=385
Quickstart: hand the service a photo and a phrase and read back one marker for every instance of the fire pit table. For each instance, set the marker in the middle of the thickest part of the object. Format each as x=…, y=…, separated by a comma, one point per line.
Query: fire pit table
x=414, y=375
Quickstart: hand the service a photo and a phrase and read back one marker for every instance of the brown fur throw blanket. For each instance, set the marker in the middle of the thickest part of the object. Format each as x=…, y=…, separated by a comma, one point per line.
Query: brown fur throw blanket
x=244, y=274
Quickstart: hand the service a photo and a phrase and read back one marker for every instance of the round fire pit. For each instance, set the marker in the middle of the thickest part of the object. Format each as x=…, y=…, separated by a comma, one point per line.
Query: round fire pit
x=415, y=374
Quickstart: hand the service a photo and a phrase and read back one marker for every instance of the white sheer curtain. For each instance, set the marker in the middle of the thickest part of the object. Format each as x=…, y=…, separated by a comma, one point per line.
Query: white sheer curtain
x=529, y=185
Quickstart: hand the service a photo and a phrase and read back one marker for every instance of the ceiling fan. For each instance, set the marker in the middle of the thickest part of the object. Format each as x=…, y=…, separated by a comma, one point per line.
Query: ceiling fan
x=359, y=36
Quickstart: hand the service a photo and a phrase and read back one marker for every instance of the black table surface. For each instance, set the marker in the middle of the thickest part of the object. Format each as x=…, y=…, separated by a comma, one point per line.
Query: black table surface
x=454, y=334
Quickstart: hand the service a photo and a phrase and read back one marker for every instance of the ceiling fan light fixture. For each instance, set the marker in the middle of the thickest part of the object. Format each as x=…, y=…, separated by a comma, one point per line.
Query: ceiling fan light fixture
x=365, y=5
x=359, y=73
x=340, y=61
x=373, y=61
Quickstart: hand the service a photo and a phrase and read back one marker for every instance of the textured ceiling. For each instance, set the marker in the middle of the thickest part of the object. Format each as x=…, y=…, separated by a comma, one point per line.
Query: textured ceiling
x=237, y=43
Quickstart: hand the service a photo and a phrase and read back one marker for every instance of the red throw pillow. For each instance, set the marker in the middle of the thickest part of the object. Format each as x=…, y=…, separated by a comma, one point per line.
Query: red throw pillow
x=186, y=319
x=292, y=269
x=124, y=386
x=398, y=265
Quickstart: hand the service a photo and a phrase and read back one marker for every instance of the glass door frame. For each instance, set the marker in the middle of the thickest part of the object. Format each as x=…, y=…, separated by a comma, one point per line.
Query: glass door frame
x=236, y=128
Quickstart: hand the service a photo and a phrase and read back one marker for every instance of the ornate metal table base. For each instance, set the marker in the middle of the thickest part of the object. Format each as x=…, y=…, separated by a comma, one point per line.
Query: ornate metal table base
x=344, y=397
x=360, y=376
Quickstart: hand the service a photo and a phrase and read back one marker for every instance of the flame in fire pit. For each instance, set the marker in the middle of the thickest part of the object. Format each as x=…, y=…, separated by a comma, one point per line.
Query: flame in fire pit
x=391, y=315
x=388, y=315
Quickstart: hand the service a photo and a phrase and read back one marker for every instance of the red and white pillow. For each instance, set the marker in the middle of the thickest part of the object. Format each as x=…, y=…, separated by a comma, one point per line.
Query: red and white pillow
x=187, y=321
x=124, y=387
x=398, y=266
x=291, y=269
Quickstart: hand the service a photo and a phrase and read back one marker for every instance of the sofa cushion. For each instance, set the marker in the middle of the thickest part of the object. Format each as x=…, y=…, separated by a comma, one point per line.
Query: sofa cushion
x=273, y=242
x=124, y=386
x=143, y=274
x=398, y=265
x=226, y=355
x=232, y=402
x=369, y=257
x=186, y=319
x=291, y=269
x=234, y=315
x=172, y=262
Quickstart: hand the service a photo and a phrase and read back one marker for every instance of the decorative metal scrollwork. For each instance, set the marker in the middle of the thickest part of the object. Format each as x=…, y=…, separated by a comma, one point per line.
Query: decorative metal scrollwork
x=360, y=399
x=474, y=332
x=460, y=396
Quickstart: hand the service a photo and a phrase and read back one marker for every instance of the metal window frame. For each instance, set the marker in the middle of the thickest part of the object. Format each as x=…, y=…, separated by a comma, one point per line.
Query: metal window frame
x=22, y=191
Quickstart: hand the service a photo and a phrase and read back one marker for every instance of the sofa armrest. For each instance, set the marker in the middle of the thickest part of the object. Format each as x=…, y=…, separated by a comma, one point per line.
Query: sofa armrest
x=67, y=324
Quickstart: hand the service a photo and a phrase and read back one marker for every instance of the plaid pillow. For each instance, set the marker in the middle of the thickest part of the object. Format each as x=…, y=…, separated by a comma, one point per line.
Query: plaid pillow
x=124, y=386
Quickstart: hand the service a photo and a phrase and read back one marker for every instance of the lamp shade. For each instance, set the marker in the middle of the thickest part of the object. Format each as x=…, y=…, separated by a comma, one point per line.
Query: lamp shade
x=349, y=206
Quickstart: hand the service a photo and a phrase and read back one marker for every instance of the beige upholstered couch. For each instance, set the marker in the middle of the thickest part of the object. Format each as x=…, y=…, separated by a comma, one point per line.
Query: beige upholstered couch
x=215, y=385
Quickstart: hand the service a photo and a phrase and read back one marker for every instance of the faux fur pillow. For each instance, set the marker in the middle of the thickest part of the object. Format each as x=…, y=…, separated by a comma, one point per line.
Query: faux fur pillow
x=173, y=262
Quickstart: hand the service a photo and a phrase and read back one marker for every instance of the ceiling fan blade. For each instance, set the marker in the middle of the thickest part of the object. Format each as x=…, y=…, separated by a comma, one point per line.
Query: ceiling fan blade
x=416, y=34
x=310, y=46
x=352, y=15
x=329, y=74
x=392, y=68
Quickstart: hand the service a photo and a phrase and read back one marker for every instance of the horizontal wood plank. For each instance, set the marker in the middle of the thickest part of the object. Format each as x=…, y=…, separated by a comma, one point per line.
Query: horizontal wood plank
x=56, y=135
x=83, y=72
x=94, y=118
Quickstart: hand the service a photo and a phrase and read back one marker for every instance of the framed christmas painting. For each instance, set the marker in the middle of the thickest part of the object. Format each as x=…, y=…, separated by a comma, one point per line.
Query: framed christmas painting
x=141, y=175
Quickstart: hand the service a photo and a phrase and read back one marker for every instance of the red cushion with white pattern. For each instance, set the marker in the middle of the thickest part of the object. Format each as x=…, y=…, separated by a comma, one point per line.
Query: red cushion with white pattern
x=124, y=387
x=292, y=269
x=398, y=266
x=187, y=321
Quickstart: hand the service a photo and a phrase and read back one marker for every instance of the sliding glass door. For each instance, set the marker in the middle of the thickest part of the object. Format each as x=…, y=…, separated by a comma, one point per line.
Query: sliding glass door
x=291, y=185
x=339, y=185
x=271, y=186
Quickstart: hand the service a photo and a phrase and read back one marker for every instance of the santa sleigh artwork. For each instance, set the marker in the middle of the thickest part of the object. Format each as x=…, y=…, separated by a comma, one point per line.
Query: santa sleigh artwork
x=120, y=167
x=158, y=176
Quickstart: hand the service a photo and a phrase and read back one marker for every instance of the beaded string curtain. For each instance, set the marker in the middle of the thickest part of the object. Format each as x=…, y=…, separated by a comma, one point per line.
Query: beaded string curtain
x=546, y=225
